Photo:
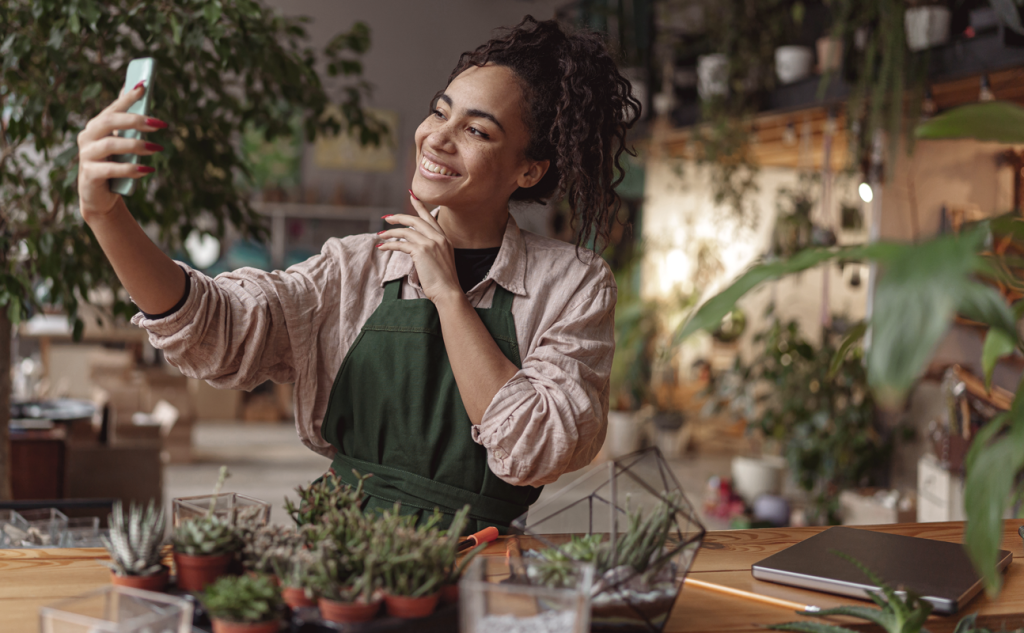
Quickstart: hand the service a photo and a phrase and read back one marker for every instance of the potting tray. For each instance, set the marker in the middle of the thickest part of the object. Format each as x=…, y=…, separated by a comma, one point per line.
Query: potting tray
x=307, y=620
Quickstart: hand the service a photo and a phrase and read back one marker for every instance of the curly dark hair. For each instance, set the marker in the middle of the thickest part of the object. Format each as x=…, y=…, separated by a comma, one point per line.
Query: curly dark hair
x=578, y=109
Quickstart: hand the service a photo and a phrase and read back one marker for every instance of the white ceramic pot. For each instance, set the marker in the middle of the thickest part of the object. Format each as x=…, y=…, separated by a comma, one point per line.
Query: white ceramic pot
x=926, y=27
x=625, y=433
x=755, y=476
x=793, y=63
x=830, y=54
x=712, y=76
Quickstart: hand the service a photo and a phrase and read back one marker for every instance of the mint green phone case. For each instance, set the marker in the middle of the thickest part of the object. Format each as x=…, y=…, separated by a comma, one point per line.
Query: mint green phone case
x=138, y=70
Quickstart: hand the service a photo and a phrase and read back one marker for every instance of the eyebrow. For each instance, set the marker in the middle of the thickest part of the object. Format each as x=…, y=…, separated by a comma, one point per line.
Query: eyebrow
x=475, y=113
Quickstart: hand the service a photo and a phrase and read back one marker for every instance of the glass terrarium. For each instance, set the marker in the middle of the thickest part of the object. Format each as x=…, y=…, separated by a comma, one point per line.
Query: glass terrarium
x=42, y=527
x=82, y=532
x=115, y=609
x=525, y=595
x=631, y=518
x=230, y=505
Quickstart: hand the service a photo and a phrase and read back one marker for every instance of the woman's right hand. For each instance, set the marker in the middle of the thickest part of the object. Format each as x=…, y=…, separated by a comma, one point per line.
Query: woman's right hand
x=97, y=143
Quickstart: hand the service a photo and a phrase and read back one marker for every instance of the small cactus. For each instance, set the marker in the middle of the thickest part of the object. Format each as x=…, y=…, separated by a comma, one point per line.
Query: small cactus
x=135, y=543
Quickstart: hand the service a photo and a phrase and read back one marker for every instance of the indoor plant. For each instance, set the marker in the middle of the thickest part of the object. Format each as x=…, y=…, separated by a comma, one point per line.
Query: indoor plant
x=266, y=546
x=51, y=80
x=412, y=562
x=323, y=496
x=205, y=546
x=136, y=547
x=244, y=604
x=347, y=583
x=298, y=583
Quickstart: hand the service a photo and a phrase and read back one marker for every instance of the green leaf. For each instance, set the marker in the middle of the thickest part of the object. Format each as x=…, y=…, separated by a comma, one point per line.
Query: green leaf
x=856, y=334
x=984, y=304
x=212, y=12
x=997, y=345
x=999, y=121
x=991, y=475
x=879, y=617
x=809, y=627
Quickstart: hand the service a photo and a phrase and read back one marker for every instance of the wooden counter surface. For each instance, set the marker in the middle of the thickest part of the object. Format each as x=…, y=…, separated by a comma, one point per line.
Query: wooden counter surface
x=30, y=579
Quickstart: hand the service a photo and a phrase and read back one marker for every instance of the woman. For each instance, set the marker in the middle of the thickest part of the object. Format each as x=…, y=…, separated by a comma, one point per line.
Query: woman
x=453, y=356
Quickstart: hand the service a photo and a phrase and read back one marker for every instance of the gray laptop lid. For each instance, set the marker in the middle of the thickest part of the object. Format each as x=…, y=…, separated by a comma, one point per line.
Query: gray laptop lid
x=940, y=572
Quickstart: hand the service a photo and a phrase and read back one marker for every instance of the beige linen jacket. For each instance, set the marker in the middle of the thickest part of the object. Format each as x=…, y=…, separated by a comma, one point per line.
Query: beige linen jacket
x=296, y=325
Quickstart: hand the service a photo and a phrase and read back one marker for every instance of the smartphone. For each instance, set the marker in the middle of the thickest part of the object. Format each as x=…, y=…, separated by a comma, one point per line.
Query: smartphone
x=140, y=69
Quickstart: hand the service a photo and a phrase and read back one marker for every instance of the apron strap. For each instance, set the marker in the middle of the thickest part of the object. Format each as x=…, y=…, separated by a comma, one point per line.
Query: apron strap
x=502, y=299
x=392, y=484
x=393, y=290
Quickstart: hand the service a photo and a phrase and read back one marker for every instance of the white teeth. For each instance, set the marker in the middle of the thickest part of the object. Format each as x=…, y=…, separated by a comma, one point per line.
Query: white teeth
x=437, y=169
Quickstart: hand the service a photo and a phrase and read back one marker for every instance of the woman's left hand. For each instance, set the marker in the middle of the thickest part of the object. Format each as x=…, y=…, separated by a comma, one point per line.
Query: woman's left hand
x=431, y=252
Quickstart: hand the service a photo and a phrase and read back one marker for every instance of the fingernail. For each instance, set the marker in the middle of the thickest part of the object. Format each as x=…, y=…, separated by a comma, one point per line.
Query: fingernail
x=151, y=122
x=385, y=217
x=381, y=232
x=154, y=147
x=139, y=85
x=381, y=244
x=413, y=195
x=145, y=169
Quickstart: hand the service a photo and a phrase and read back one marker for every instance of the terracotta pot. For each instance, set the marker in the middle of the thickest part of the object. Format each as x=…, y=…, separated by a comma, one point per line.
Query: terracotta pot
x=274, y=580
x=153, y=582
x=450, y=593
x=409, y=608
x=295, y=597
x=195, y=572
x=225, y=626
x=347, y=612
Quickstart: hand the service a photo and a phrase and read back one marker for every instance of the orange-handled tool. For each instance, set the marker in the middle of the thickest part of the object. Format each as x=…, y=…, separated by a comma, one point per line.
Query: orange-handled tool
x=485, y=535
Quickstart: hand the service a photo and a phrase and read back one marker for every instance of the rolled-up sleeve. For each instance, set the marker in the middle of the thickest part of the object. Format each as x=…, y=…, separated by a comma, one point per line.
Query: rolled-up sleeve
x=550, y=418
x=245, y=327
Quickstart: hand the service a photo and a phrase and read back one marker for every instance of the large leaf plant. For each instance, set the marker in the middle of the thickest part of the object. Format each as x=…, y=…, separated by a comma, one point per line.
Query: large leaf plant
x=922, y=288
x=223, y=66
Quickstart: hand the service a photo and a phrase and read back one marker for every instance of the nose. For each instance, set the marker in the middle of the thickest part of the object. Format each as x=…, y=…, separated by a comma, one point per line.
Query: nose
x=441, y=139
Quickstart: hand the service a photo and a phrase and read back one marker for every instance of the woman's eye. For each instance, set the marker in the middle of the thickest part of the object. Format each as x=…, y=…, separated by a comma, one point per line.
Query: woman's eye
x=477, y=132
x=437, y=113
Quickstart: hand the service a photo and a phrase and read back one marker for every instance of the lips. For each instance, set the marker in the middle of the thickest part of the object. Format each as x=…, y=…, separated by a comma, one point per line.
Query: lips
x=437, y=168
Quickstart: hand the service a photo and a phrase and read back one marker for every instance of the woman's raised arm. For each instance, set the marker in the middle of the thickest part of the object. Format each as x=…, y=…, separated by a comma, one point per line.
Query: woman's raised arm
x=154, y=282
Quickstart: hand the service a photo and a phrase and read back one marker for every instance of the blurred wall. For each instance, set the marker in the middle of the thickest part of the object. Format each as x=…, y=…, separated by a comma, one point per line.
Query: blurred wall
x=414, y=47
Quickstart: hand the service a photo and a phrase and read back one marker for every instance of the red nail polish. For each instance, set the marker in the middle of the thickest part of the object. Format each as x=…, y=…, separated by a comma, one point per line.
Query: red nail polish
x=139, y=85
x=151, y=122
x=145, y=169
x=154, y=147
x=381, y=244
x=413, y=195
x=381, y=232
x=385, y=217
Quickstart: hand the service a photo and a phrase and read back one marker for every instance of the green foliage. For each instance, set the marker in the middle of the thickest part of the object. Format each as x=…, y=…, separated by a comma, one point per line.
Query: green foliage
x=999, y=121
x=243, y=599
x=222, y=66
x=135, y=542
x=206, y=536
x=922, y=288
x=816, y=403
x=268, y=547
x=640, y=546
x=894, y=615
x=323, y=497
x=414, y=559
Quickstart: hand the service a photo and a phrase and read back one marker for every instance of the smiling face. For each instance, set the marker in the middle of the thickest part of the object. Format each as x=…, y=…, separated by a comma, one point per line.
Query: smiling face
x=471, y=150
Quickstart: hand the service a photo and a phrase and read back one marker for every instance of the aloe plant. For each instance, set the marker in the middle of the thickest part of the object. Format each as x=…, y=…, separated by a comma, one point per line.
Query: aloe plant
x=135, y=542
x=243, y=599
x=894, y=615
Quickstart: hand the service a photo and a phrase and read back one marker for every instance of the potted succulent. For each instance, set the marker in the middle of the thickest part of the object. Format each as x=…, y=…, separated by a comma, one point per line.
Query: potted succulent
x=244, y=604
x=347, y=583
x=450, y=552
x=298, y=582
x=266, y=545
x=135, y=546
x=205, y=546
x=412, y=560
x=324, y=495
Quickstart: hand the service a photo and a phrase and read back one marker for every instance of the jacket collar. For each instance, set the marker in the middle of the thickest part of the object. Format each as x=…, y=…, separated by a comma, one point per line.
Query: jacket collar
x=508, y=271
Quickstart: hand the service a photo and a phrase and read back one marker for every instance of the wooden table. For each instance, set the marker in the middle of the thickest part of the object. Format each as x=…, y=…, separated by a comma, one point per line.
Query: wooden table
x=30, y=579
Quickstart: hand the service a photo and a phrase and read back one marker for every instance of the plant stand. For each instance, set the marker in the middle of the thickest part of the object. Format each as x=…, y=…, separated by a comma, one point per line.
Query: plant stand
x=598, y=503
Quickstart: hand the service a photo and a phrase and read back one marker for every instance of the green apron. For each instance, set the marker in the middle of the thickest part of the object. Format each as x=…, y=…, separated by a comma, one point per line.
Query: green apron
x=395, y=411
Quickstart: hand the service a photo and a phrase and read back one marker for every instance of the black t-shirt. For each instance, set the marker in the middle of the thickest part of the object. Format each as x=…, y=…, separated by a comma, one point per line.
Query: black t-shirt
x=471, y=264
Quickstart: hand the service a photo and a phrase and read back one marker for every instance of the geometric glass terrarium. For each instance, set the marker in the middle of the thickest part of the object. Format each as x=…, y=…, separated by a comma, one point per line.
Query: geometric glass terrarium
x=631, y=518
x=115, y=609
x=228, y=505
